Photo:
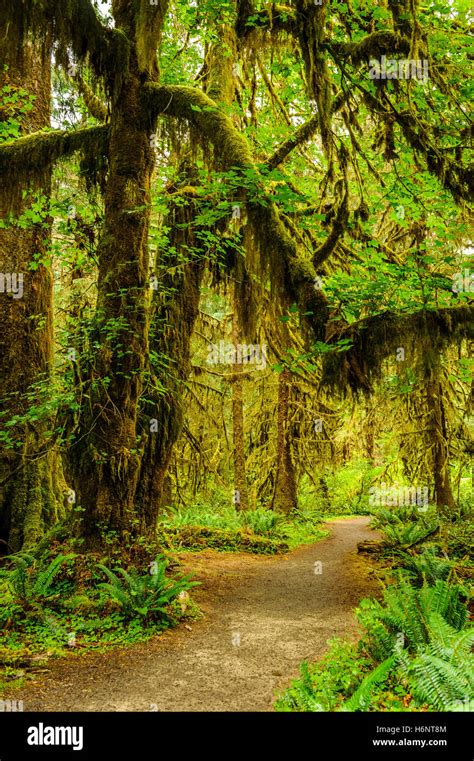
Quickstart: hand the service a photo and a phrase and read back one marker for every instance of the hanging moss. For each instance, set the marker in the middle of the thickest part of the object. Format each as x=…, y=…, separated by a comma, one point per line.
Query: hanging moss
x=310, y=31
x=377, y=338
x=274, y=19
x=75, y=24
x=453, y=175
x=292, y=277
x=37, y=152
x=149, y=28
x=75, y=27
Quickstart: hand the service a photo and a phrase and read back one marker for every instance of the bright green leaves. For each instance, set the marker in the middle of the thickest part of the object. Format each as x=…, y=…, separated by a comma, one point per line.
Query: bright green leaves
x=15, y=103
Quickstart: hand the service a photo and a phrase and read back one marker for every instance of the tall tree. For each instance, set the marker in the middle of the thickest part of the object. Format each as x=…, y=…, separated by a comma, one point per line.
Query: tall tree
x=108, y=449
x=30, y=493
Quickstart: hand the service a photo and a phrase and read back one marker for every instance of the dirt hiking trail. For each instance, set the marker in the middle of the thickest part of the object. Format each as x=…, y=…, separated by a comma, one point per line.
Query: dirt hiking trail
x=263, y=616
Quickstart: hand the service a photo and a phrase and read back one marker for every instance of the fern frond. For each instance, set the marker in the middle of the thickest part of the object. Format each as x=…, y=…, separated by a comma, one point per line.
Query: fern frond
x=45, y=578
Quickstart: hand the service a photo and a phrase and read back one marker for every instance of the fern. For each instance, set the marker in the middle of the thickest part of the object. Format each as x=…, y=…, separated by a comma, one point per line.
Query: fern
x=427, y=567
x=445, y=599
x=410, y=611
x=304, y=692
x=29, y=583
x=432, y=661
x=407, y=535
x=44, y=579
x=360, y=699
x=438, y=681
x=146, y=595
x=404, y=613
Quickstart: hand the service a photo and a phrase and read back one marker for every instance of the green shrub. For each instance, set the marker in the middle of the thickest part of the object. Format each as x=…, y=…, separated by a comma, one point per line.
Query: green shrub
x=415, y=650
x=145, y=595
x=261, y=521
x=29, y=583
x=324, y=685
x=201, y=537
x=427, y=567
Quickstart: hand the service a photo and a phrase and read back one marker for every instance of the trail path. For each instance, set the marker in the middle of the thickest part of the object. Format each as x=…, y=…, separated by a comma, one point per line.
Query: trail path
x=278, y=609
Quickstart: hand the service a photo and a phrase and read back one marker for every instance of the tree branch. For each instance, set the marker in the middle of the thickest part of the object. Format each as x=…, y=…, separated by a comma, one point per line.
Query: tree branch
x=377, y=338
x=292, y=276
x=40, y=149
x=301, y=135
x=95, y=106
x=337, y=231
x=372, y=46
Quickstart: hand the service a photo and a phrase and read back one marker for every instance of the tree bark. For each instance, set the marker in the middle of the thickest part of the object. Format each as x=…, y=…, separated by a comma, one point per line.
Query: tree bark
x=30, y=471
x=285, y=495
x=105, y=459
x=439, y=436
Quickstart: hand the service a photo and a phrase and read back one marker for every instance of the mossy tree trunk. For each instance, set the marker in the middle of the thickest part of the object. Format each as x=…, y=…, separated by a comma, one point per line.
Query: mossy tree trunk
x=105, y=460
x=179, y=270
x=30, y=473
x=439, y=440
x=241, y=497
x=285, y=495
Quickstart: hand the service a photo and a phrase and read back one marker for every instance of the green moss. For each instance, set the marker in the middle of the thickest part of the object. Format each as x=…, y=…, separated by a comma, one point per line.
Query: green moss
x=33, y=154
x=377, y=338
x=199, y=537
x=149, y=27
x=371, y=46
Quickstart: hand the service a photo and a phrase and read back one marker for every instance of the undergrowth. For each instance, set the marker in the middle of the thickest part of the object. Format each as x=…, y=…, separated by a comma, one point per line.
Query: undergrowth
x=415, y=652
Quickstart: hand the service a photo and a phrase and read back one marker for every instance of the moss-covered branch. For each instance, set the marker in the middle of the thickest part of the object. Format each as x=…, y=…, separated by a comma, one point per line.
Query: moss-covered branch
x=372, y=46
x=377, y=338
x=201, y=112
x=338, y=229
x=18, y=158
x=292, y=276
x=299, y=136
x=95, y=106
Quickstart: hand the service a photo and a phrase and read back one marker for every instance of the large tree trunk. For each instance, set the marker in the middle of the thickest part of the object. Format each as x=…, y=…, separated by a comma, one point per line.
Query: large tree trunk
x=179, y=271
x=176, y=307
x=241, y=498
x=285, y=496
x=105, y=459
x=30, y=495
x=439, y=438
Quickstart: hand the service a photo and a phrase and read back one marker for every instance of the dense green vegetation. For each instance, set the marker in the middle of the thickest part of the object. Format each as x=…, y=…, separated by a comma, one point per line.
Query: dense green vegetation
x=415, y=652
x=236, y=301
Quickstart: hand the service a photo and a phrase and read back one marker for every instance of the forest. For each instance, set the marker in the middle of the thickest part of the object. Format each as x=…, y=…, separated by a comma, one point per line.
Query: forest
x=236, y=375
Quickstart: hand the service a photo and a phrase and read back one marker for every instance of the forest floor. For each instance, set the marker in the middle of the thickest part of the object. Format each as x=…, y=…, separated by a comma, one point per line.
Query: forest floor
x=262, y=617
